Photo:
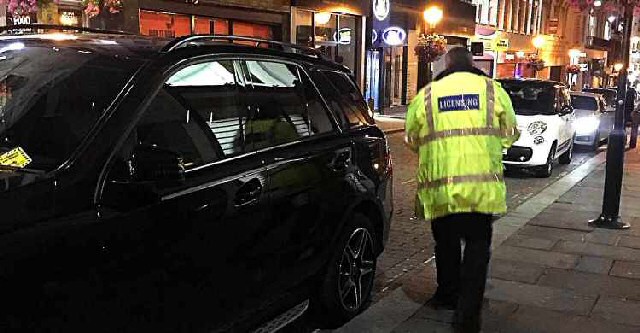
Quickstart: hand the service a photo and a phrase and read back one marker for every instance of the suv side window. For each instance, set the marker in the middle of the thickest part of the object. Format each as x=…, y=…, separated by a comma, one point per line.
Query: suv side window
x=194, y=116
x=211, y=89
x=344, y=97
x=283, y=105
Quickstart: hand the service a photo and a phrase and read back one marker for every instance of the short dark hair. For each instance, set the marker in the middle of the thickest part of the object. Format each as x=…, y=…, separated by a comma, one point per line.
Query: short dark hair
x=459, y=57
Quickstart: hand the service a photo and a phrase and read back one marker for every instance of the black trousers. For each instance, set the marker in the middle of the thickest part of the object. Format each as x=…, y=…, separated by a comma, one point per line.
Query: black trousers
x=458, y=278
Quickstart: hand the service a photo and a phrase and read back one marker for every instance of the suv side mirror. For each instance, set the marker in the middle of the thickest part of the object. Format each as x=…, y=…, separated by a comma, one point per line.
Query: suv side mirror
x=148, y=171
x=151, y=163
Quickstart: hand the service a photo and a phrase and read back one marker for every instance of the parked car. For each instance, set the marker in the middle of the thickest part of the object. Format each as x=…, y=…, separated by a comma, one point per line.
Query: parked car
x=609, y=95
x=545, y=120
x=594, y=121
x=200, y=184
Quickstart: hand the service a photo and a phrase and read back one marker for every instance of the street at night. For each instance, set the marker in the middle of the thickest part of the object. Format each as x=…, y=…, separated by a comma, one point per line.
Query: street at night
x=320, y=166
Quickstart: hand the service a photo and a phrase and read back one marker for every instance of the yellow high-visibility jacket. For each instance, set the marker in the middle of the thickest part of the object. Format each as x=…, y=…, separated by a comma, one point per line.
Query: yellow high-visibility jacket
x=459, y=125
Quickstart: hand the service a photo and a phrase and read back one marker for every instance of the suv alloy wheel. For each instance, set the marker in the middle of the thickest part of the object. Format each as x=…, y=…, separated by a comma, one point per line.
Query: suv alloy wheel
x=348, y=282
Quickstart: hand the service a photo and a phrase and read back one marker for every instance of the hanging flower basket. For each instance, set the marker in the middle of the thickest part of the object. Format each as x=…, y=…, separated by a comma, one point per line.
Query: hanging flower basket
x=431, y=47
x=25, y=7
x=573, y=69
x=93, y=7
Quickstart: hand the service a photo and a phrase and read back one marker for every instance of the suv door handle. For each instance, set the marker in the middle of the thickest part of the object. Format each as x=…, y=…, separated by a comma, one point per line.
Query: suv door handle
x=249, y=193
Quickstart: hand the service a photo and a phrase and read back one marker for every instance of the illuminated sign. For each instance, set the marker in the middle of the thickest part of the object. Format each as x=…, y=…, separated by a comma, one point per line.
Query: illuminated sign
x=381, y=9
x=345, y=36
x=374, y=36
x=69, y=18
x=502, y=44
x=394, y=36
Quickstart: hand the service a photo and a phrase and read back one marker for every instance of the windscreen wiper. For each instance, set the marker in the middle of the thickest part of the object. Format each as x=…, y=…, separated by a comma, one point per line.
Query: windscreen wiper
x=20, y=170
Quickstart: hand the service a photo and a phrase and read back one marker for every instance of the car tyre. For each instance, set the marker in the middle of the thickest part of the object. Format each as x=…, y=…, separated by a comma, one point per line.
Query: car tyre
x=348, y=280
x=545, y=171
x=596, y=141
x=566, y=157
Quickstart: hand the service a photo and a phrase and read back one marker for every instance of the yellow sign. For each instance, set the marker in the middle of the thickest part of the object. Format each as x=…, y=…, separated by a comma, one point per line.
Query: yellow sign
x=15, y=158
x=500, y=44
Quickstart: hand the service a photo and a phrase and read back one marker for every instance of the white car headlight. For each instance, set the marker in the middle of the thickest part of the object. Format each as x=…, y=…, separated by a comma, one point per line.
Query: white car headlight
x=587, y=125
x=537, y=127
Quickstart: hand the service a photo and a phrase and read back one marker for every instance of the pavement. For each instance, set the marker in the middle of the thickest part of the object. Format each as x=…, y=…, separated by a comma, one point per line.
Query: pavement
x=550, y=271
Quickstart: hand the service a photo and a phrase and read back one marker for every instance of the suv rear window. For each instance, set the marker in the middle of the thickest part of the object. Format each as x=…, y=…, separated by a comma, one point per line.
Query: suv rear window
x=344, y=98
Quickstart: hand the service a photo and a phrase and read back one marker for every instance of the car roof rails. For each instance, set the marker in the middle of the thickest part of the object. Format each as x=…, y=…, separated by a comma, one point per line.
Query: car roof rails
x=195, y=39
x=35, y=27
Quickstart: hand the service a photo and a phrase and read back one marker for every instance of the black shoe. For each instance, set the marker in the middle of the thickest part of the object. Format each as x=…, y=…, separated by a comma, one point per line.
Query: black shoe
x=442, y=303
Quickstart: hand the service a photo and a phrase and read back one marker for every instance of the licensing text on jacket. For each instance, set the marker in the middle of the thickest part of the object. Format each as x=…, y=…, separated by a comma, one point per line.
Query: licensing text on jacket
x=459, y=102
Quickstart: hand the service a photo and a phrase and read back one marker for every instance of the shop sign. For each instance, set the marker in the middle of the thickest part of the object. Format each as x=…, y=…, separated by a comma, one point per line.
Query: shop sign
x=381, y=9
x=584, y=67
x=27, y=19
x=510, y=56
x=69, y=18
x=343, y=36
x=394, y=36
x=501, y=44
x=374, y=36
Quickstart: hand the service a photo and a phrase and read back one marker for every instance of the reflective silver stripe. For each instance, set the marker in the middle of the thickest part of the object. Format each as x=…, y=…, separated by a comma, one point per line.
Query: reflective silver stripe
x=493, y=177
x=428, y=109
x=460, y=132
x=490, y=102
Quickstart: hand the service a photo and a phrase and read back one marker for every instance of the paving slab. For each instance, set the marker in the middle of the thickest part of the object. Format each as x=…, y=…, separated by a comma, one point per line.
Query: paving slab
x=603, y=236
x=384, y=315
x=532, y=319
x=618, y=310
x=515, y=271
x=590, y=284
x=626, y=269
x=629, y=241
x=539, y=257
x=541, y=296
x=594, y=265
x=531, y=242
x=415, y=325
x=565, y=220
x=552, y=233
x=598, y=250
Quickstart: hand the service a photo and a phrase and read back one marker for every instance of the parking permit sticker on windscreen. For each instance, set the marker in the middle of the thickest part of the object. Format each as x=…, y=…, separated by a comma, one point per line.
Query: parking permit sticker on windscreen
x=16, y=157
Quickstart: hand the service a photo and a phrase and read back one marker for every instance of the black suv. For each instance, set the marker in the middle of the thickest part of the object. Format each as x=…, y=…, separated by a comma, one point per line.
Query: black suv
x=200, y=184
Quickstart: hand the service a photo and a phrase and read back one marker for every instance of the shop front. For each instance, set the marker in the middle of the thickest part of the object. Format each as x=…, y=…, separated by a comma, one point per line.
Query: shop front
x=170, y=19
x=387, y=56
x=335, y=28
x=67, y=12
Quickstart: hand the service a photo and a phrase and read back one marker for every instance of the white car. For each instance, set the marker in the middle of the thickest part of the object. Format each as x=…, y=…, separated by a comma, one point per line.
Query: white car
x=545, y=119
x=594, y=121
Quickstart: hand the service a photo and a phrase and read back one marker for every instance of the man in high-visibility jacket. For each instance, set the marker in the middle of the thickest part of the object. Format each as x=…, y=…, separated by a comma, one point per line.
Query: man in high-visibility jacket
x=459, y=125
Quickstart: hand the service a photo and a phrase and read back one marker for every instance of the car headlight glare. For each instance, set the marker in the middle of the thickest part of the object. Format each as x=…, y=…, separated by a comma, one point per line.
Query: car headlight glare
x=587, y=125
x=537, y=127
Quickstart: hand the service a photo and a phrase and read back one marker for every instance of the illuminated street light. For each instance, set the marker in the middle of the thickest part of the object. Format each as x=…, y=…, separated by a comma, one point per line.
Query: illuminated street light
x=617, y=67
x=597, y=3
x=538, y=42
x=611, y=19
x=433, y=15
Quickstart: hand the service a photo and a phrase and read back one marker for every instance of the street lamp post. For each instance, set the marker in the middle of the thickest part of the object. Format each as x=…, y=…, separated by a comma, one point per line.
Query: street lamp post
x=610, y=216
x=432, y=16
